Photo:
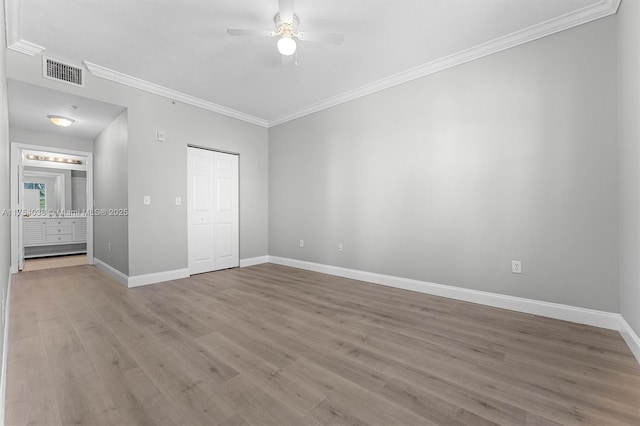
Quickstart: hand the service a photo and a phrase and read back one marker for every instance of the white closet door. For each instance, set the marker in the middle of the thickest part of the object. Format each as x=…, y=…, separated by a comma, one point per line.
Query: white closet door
x=226, y=211
x=212, y=210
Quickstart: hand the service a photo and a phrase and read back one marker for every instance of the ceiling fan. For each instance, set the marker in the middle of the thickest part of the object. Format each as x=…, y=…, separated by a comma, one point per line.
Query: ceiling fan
x=286, y=23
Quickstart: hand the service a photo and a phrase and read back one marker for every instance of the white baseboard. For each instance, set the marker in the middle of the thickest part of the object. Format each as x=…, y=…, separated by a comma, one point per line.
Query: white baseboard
x=5, y=352
x=157, y=277
x=630, y=337
x=592, y=317
x=140, y=280
x=253, y=261
x=111, y=271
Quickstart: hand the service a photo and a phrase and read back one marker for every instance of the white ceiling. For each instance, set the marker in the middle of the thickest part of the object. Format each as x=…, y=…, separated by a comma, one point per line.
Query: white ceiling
x=183, y=45
x=29, y=106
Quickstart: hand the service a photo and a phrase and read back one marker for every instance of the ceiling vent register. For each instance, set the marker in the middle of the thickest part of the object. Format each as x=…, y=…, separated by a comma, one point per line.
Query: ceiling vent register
x=59, y=71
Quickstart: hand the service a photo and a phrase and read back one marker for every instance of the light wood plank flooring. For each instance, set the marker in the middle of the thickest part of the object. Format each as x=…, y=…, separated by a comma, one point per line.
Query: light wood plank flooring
x=39, y=263
x=271, y=345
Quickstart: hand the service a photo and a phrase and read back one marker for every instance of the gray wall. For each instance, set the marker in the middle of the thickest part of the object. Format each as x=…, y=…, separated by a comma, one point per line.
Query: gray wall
x=19, y=135
x=110, y=186
x=450, y=177
x=157, y=233
x=5, y=202
x=629, y=160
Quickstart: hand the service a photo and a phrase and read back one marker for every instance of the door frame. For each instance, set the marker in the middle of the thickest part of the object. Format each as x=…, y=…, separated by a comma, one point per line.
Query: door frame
x=17, y=173
x=222, y=151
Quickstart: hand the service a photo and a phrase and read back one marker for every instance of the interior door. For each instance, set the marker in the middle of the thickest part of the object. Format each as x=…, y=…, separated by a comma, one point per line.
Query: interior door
x=226, y=217
x=201, y=209
x=213, y=211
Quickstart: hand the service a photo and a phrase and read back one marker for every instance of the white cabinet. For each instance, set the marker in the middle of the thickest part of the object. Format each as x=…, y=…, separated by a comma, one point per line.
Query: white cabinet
x=35, y=232
x=79, y=230
x=52, y=231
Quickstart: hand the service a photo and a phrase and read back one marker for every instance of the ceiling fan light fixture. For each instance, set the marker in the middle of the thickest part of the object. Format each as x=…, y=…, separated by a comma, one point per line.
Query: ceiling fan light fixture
x=61, y=121
x=287, y=46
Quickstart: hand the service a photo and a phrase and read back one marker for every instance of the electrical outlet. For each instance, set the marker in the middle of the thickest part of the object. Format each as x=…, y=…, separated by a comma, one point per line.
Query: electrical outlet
x=146, y=200
x=516, y=266
x=301, y=243
x=178, y=201
x=339, y=246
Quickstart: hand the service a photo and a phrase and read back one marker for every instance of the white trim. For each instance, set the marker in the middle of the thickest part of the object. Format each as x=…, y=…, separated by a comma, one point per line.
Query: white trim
x=127, y=80
x=25, y=47
x=253, y=261
x=158, y=277
x=111, y=271
x=13, y=21
x=552, y=26
x=5, y=352
x=630, y=337
x=592, y=317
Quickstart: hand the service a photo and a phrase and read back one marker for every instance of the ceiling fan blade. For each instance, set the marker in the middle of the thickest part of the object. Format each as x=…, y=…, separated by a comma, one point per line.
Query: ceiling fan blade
x=290, y=60
x=259, y=33
x=332, y=38
x=286, y=11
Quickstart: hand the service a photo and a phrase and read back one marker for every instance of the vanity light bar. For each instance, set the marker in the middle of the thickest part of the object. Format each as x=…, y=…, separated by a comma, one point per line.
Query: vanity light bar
x=53, y=159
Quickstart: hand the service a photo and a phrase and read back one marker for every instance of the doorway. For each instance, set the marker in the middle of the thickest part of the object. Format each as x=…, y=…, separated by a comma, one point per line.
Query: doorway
x=51, y=192
x=213, y=210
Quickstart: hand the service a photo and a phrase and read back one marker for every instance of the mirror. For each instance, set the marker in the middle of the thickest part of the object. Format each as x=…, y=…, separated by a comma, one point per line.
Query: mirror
x=54, y=190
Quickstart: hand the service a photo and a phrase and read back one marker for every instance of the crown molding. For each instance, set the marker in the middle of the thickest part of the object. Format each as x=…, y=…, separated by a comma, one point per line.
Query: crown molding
x=127, y=80
x=13, y=19
x=581, y=16
x=564, y=22
x=25, y=47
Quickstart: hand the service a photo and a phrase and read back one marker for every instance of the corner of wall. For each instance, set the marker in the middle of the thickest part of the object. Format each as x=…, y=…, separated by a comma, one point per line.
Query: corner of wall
x=5, y=205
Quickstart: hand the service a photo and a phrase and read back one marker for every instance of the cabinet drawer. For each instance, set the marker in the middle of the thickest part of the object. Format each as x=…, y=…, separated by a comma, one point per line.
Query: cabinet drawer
x=59, y=230
x=59, y=238
x=58, y=222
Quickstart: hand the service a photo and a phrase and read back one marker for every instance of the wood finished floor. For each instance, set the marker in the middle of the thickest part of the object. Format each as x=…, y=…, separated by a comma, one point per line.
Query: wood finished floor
x=271, y=345
x=52, y=262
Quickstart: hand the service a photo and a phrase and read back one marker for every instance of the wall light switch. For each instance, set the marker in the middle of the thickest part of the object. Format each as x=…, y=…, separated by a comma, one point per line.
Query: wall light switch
x=160, y=136
x=178, y=201
x=147, y=200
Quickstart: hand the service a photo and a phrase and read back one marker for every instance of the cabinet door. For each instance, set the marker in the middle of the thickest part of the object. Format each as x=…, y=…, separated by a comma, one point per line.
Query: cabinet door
x=80, y=230
x=35, y=232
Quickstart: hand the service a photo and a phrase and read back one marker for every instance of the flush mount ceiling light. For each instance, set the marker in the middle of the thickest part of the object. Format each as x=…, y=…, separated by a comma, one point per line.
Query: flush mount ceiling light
x=61, y=121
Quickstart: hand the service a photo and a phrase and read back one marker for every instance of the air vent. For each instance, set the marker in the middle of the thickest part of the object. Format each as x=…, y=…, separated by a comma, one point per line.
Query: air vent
x=59, y=71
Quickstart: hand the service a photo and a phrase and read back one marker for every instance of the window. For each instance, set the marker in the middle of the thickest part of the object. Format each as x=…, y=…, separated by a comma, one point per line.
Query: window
x=35, y=195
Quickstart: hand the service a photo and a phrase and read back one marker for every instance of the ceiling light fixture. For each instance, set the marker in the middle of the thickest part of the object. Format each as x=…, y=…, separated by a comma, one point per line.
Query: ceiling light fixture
x=287, y=31
x=53, y=159
x=61, y=121
x=287, y=46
